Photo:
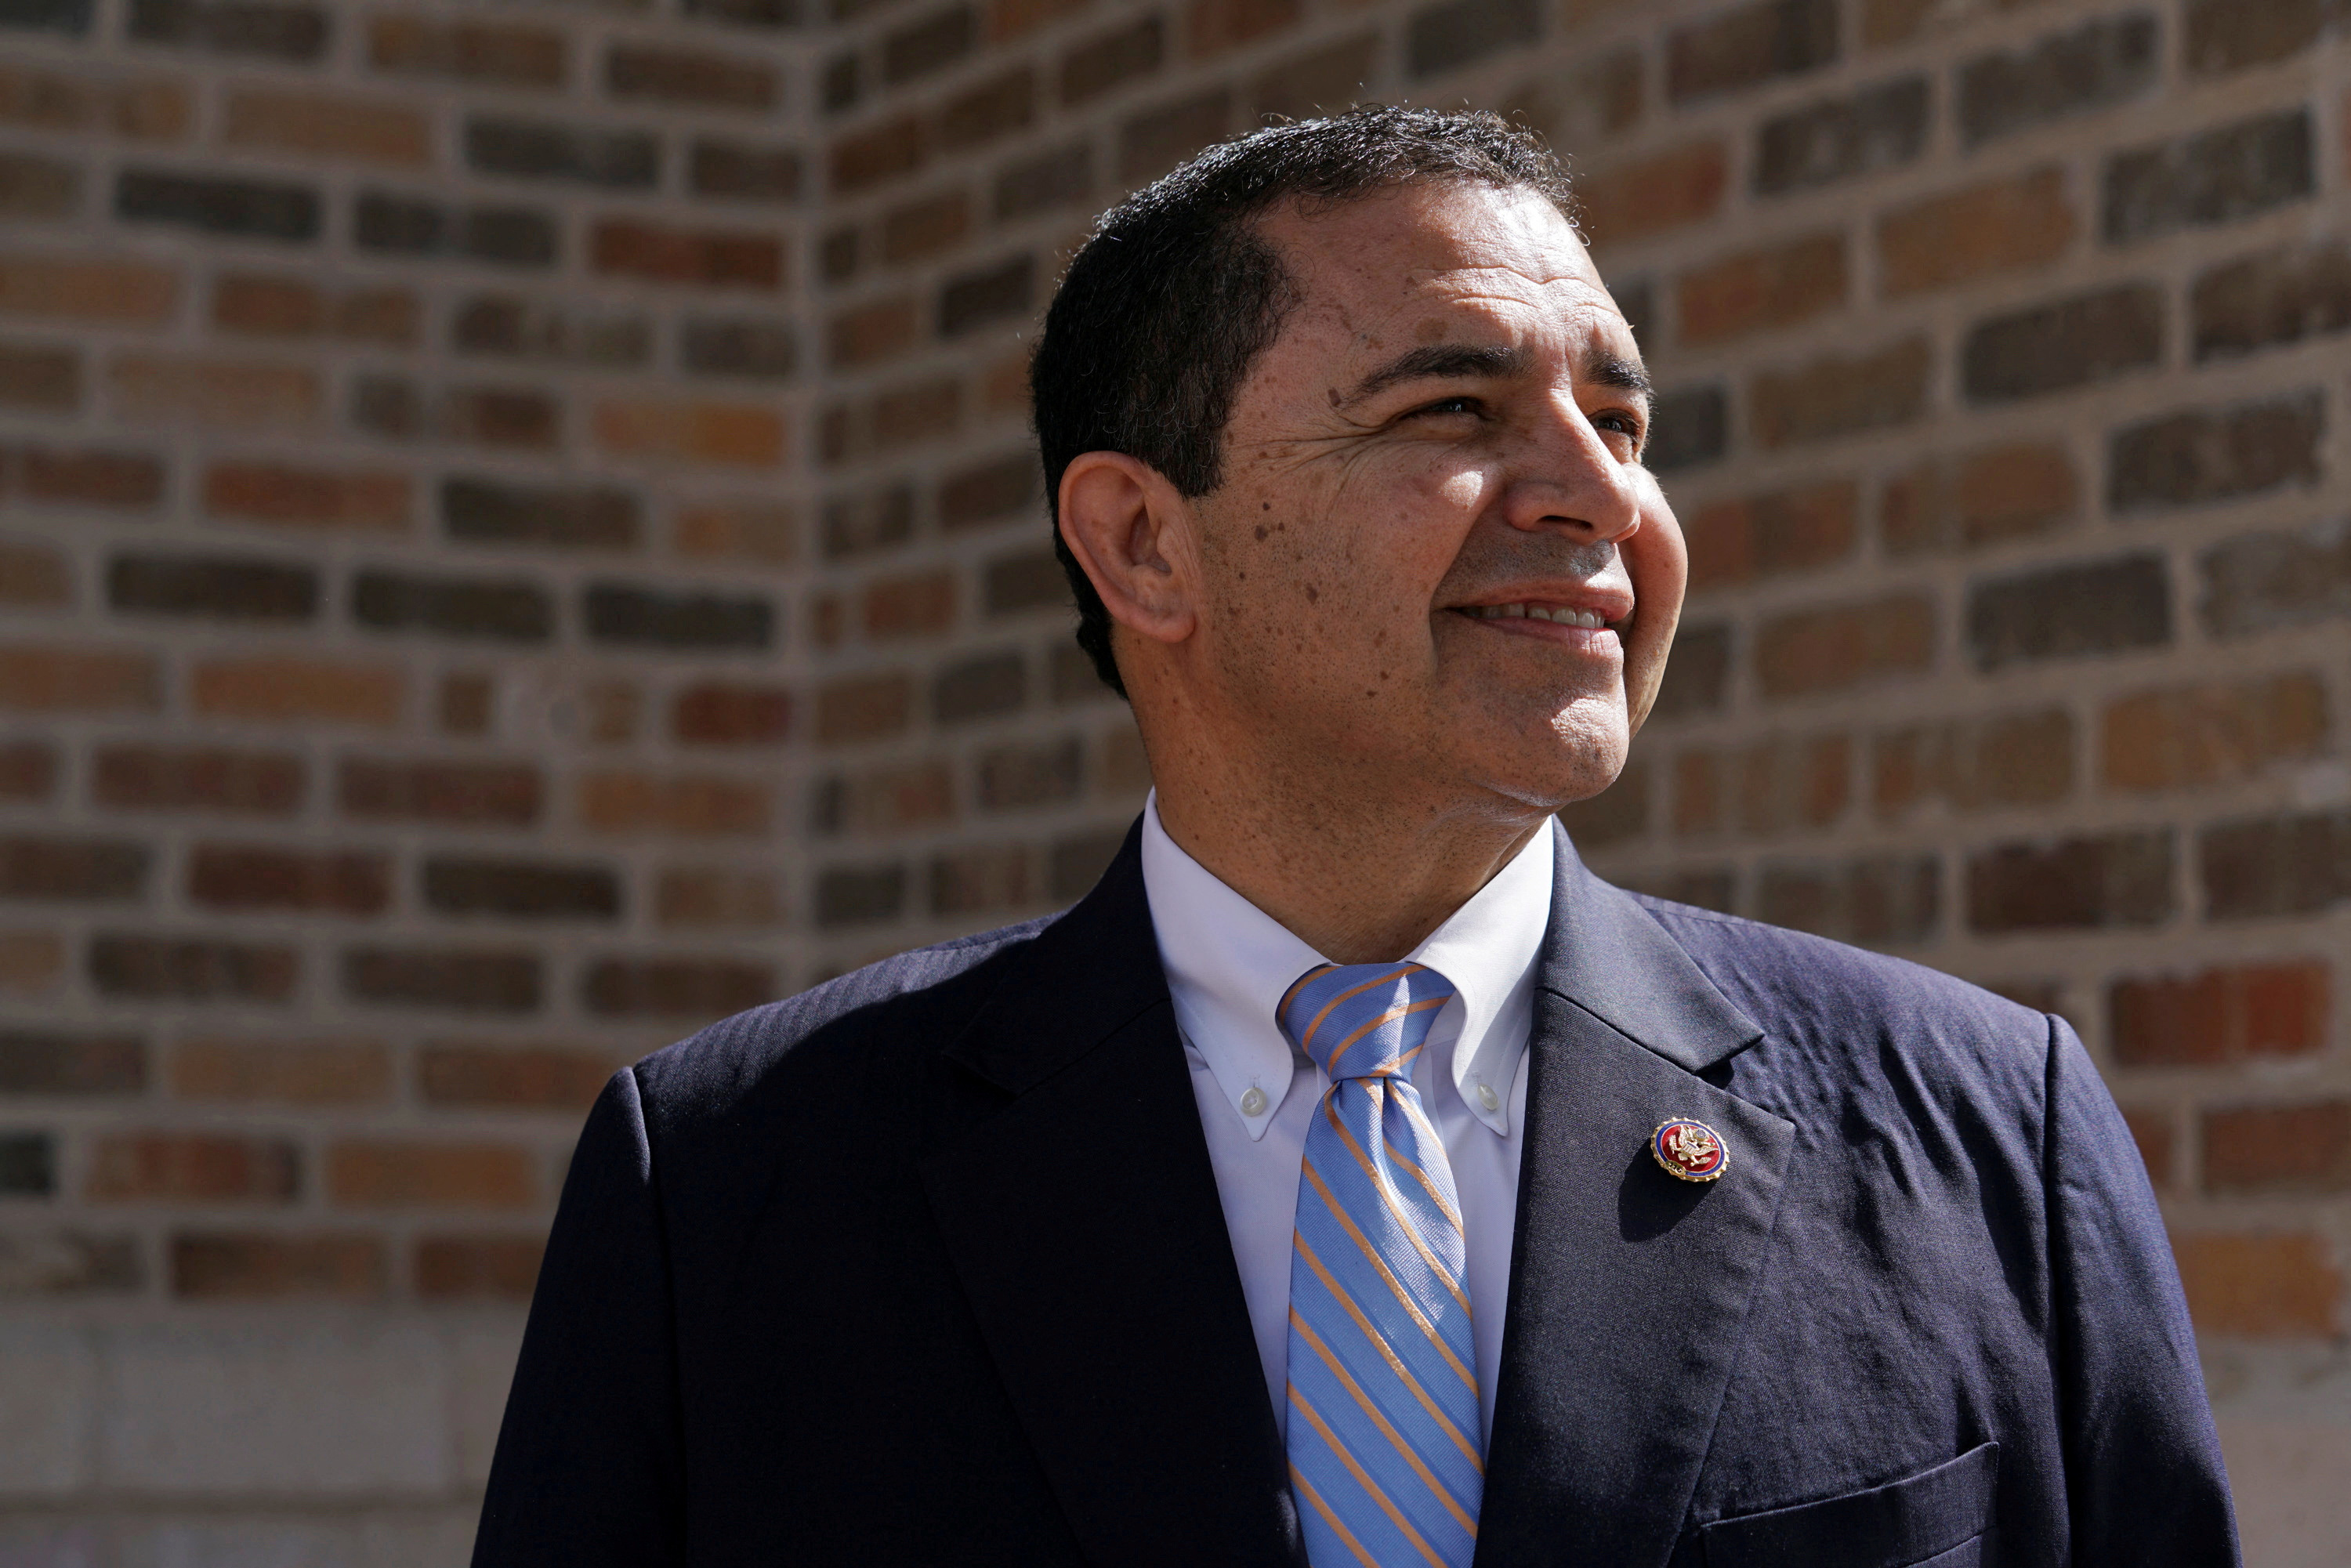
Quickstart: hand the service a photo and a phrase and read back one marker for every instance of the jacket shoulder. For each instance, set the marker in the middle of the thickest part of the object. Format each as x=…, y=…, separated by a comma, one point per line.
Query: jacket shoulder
x=866, y=1021
x=1811, y=992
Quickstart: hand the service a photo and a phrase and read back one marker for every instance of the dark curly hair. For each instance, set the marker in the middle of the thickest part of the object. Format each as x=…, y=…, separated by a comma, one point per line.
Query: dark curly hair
x=1174, y=295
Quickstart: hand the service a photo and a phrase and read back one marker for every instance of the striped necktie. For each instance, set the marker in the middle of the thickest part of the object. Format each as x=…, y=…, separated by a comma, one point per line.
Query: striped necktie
x=1384, y=1441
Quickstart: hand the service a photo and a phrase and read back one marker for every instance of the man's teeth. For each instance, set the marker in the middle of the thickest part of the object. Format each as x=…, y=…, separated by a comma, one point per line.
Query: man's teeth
x=1559, y=615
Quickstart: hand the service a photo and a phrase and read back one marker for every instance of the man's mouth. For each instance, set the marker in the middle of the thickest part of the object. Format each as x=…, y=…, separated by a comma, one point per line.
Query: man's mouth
x=1557, y=614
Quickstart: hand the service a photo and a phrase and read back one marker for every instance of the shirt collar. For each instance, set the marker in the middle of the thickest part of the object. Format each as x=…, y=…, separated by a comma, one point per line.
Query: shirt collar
x=1228, y=963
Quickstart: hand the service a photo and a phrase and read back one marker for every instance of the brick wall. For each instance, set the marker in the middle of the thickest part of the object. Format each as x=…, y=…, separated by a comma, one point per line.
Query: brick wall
x=521, y=537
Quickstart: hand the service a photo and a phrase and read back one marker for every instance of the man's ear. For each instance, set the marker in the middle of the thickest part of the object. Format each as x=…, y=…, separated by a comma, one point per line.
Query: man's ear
x=1132, y=532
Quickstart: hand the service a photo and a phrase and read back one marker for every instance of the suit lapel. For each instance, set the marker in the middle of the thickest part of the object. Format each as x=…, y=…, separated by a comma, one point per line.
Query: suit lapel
x=1083, y=1220
x=1629, y=1289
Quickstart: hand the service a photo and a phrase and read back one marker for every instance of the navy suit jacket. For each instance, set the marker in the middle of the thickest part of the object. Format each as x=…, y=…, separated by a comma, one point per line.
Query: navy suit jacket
x=927, y=1266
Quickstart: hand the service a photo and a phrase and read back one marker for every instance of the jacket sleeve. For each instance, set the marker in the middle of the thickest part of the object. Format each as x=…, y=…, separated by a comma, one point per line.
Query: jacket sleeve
x=2143, y=1474
x=589, y=1467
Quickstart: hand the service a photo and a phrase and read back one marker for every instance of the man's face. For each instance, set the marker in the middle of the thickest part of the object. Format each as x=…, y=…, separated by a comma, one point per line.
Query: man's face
x=1435, y=552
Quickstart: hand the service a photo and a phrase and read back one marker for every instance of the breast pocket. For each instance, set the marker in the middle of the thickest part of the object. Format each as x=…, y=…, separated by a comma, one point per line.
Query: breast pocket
x=1936, y=1519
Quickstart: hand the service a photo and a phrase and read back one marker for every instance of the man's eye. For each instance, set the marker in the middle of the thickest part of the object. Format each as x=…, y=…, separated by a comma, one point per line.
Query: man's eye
x=1448, y=405
x=1626, y=422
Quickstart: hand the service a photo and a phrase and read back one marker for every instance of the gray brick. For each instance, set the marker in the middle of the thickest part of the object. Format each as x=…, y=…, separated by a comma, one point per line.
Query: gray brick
x=2069, y=612
x=747, y=13
x=536, y=149
x=2264, y=867
x=930, y=45
x=1023, y=775
x=983, y=687
x=455, y=979
x=761, y=348
x=997, y=488
x=223, y=588
x=1456, y=33
x=2231, y=34
x=1748, y=46
x=859, y=896
x=972, y=299
x=631, y=616
x=511, y=610
x=72, y=16
x=1876, y=900
x=33, y=187
x=1030, y=579
x=2085, y=884
x=28, y=1165
x=2202, y=455
x=1114, y=58
x=2266, y=582
x=1881, y=127
x=557, y=331
x=2067, y=343
x=233, y=26
x=53, y=1062
x=1690, y=428
x=260, y=209
x=191, y=969
x=859, y=524
x=1076, y=862
x=2216, y=176
x=843, y=82
x=484, y=511
x=1697, y=675
x=2103, y=63
x=529, y=890
x=2276, y=297
x=741, y=172
x=698, y=989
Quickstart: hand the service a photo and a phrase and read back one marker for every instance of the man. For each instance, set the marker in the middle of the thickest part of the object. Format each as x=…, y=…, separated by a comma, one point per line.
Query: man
x=1351, y=1177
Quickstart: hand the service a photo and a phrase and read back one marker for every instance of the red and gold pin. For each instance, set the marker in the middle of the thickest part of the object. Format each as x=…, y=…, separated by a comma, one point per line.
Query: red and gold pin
x=1690, y=1150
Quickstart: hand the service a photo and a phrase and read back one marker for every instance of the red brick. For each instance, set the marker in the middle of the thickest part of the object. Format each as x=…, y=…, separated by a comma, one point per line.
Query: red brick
x=1627, y=201
x=1156, y=138
x=991, y=107
x=1973, y=765
x=193, y=1168
x=2260, y=1286
x=696, y=805
x=748, y=529
x=489, y=793
x=1811, y=652
x=718, y=896
x=2002, y=225
x=864, y=708
x=187, y=968
x=702, y=257
x=336, y=126
x=1758, y=290
x=34, y=577
x=123, y=480
x=28, y=770
x=1840, y=396
x=889, y=800
x=454, y=979
x=1771, y=787
x=741, y=435
x=265, y=1265
x=401, y=1173
x=35, y=678
x=508, y=54
x=51, y=866
x=268, y=307
x=696, y=78
x=2279, y=1148
x=719, y=713
x=512, y=1077
x=89, y=288
x=870, y=333
x=376, y=500
x=1009, y=20
x=39, y=377
x=876, y=154
x=298, y=689
x=1983, y=497
x=917, y=604
x=2087, y=883
x=975, y=878
x=477, y=1267
x=1738, y=541
x=1111, y=60
x=32, y=963
x=216, y=394
x=2222, y=1015
x=282, y=1071
x=237, y=876
x=692, y=988
x=1215, y=27
x=2186, y=736
x=1330, y=77
x=2152, y=1131
x=929, y=226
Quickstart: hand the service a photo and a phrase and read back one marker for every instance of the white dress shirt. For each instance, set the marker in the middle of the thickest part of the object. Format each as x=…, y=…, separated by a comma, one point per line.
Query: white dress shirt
x=1228, y=963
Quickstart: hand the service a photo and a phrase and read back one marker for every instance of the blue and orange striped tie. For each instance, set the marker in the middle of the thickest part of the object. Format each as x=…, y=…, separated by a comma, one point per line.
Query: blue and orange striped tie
x=1384, y=1450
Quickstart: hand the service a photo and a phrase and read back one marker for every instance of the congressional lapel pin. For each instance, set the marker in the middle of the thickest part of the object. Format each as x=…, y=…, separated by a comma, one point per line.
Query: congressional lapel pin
x=1690, y=1150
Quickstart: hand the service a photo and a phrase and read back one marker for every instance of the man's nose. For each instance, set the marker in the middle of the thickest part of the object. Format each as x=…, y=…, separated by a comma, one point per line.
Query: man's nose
x=1567, y=478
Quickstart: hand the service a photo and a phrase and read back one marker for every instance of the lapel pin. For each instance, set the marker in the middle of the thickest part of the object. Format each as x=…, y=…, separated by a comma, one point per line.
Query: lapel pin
x=1690, y=1150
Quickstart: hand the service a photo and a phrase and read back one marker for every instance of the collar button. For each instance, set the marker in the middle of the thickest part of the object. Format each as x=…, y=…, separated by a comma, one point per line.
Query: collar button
x=1488, y=1098
x=1253, y=1101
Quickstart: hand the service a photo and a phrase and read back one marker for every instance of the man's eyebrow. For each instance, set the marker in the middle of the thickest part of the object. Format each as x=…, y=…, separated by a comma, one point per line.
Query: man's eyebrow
x=1440, y=359
x=1625, y=375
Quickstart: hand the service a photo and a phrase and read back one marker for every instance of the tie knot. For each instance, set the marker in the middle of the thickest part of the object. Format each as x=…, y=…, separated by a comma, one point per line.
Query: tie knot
x=1362, y=1020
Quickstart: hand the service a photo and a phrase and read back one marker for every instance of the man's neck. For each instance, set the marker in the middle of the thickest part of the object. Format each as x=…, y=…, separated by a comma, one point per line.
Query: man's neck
x=1359, y=881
